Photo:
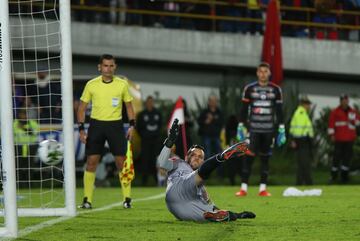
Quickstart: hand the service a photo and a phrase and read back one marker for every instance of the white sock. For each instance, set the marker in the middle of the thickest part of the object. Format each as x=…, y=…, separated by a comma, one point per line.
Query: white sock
x=244, y=186
x=262, y=187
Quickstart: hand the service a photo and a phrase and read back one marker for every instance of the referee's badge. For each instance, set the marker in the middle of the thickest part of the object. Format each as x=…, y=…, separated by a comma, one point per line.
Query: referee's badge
x=115, y=101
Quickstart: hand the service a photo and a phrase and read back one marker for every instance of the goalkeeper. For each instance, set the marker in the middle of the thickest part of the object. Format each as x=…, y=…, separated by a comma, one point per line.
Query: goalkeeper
x=186, y=196
x=263, y=100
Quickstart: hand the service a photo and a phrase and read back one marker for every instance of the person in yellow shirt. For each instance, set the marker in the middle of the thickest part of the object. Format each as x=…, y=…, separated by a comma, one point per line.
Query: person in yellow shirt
x=107, y=93
x=302, y=133
x=26, y=133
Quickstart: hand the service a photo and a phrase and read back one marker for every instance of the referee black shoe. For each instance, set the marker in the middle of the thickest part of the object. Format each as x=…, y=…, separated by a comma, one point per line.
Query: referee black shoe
x=85, y=204
x=127, y=203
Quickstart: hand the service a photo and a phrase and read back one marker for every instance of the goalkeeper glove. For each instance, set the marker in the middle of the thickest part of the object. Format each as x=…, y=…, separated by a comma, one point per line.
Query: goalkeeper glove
x=281, y=137
x=241, y=132
x=173, y=134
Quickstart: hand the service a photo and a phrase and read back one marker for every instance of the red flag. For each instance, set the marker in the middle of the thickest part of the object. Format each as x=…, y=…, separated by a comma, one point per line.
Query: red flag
x=271, y=52
x=178, y=113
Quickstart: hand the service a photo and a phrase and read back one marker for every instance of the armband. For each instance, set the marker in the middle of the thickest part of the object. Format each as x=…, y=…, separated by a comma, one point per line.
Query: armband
x=132, y=123
x=81, y=126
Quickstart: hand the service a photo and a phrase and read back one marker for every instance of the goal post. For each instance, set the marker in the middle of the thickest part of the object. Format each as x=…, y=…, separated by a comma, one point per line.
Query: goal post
x=67, y=107
x=28, y=40
x=8, y=177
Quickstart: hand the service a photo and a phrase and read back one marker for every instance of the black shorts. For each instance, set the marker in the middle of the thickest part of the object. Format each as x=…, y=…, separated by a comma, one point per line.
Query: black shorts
x=110, y=131
x=262, y=143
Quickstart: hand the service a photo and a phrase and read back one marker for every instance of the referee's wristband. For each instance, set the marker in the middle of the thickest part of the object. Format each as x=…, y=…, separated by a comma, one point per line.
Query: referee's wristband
x=81, y=126
x=132, y=123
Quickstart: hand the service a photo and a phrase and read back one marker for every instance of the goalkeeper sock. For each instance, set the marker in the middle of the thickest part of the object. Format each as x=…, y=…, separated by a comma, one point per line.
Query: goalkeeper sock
x=233, y=216
x=242, y=215
x=89, y=181
x=262, y=187
x=244, y=186
x=125, y=188
x=245, y=214
x=208, y=166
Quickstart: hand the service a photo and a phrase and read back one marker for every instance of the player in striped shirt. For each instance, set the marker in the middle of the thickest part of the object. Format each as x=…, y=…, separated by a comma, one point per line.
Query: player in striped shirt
x=262, y=114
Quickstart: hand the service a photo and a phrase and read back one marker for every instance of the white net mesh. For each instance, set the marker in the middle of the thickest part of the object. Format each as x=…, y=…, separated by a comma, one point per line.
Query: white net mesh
x=35, y=46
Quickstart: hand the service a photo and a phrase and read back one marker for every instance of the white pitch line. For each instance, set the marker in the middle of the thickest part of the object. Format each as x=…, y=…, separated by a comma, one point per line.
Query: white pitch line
x=51, y=222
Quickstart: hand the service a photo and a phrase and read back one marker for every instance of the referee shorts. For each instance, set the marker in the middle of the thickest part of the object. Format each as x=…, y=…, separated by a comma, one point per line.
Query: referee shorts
x=110, y=131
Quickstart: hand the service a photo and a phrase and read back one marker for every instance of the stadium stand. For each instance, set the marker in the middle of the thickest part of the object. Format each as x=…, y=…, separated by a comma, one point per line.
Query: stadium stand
x=300, y=18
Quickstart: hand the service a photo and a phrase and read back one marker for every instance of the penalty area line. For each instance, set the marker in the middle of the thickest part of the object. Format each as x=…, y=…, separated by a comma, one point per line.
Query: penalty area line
x=52, y=222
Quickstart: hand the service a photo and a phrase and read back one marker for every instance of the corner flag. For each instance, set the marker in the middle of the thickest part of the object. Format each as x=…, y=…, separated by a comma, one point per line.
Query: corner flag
x=178, y=113
x=127, y=173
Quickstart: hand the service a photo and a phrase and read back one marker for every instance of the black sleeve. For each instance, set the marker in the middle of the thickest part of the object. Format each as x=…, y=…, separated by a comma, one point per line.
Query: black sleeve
x=245, y=101
x=279, y=113
x=279, y=107
x=244, y=112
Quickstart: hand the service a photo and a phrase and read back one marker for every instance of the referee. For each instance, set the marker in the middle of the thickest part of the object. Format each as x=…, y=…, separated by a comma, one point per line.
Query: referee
x=107, y=93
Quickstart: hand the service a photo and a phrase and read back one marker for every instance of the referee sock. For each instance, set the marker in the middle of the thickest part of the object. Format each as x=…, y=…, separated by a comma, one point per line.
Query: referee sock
x=125, y=188
x=208, y=166
x=89, y=181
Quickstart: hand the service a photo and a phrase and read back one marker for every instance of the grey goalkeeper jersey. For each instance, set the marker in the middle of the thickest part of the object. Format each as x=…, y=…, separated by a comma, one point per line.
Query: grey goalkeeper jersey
x=184, y=199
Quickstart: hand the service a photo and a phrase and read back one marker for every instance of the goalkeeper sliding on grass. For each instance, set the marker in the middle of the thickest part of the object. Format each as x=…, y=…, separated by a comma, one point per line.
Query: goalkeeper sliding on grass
x=186, y=196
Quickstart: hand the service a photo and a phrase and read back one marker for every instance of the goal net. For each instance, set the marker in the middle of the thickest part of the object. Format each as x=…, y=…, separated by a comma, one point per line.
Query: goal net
x=40, y=108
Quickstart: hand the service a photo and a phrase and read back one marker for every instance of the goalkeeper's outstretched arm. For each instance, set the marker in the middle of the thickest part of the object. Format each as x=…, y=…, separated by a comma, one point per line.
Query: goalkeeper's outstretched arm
x=165, y=153
x=163, y=159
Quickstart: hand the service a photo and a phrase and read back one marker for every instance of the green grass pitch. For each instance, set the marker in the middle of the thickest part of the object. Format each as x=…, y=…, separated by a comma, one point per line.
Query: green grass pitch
x=333, y=216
